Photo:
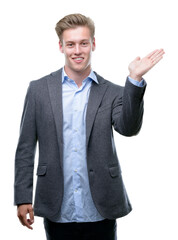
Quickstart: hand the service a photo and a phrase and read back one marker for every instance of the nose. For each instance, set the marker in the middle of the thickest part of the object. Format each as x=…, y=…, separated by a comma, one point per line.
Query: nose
x=77, y=49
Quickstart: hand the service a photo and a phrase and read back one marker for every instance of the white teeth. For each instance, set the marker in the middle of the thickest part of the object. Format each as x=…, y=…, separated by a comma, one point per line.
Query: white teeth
x=78, y=58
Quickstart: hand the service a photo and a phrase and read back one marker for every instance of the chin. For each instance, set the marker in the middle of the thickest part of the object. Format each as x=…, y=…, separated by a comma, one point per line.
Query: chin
x=79, y=69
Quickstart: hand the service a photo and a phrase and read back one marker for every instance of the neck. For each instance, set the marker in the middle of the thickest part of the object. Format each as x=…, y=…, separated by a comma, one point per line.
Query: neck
x=77, y=76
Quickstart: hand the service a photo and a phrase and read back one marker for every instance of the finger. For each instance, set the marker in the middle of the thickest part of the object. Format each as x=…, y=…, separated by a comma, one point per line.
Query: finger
x=31, y=214
x=21, y=221
x=157, y=57
x=24, y=221
x=157, y=54
x=21, y=217
x=157, y=60
x=151, y=54
x=30, y=223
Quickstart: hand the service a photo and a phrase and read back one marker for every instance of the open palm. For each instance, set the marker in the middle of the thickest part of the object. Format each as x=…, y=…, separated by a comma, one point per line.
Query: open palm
x=138, y=67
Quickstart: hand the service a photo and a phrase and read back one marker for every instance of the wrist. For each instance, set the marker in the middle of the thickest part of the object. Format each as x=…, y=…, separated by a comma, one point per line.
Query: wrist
x=135, y=77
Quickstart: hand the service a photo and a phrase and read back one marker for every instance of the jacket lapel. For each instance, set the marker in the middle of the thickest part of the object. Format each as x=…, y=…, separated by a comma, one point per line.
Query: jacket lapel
x=55, y=93
x=96, y=94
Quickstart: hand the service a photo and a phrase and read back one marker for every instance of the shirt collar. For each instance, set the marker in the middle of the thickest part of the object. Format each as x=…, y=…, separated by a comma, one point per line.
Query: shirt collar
x=91, y=76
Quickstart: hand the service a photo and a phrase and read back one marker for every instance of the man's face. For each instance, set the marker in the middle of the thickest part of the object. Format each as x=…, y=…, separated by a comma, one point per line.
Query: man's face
x=77, y=46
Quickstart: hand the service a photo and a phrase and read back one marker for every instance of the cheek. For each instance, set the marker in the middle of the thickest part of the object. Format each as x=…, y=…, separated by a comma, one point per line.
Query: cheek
x=67, y=54
x=90, y=54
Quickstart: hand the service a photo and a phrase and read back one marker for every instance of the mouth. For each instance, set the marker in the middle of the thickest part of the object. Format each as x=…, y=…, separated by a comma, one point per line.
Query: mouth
x=78, y=59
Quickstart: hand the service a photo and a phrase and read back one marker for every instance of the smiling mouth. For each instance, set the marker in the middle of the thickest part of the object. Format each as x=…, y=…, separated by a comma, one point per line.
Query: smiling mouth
x=78, y=59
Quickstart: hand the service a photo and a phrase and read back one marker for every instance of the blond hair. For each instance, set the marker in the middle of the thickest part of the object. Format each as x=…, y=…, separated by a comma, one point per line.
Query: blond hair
x=73, y=21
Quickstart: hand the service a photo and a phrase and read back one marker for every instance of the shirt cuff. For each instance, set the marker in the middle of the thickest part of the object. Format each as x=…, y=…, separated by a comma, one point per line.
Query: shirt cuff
x=137, y=83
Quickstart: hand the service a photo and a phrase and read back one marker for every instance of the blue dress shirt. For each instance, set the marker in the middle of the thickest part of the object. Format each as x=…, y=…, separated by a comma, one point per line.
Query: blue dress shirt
x=77, y=205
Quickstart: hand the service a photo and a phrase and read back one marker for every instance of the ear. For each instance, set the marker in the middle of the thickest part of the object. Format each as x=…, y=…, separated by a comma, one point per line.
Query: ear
x=93, y=44
x=61, y=46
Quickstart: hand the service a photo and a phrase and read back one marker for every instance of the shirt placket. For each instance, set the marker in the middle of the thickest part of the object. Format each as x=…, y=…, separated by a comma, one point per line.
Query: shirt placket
x=76, y=152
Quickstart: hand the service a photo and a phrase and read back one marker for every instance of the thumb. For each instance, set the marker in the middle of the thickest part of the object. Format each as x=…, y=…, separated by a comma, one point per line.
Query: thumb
x=137, y=58
x=31, y=214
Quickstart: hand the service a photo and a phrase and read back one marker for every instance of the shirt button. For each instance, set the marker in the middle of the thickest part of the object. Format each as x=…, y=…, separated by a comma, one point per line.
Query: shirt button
x=76, y=190
x=75, y=149
x=75, y=170
x=76, y=130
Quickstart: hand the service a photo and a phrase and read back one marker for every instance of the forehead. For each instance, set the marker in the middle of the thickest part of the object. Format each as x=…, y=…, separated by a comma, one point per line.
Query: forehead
x=76, y=34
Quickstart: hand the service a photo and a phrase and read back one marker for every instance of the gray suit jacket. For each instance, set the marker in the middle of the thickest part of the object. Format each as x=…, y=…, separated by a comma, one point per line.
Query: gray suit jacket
x=109, y=106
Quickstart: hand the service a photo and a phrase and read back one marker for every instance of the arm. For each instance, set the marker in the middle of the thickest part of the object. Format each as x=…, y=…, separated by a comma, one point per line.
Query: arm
x=24, y=160
x=127, y=110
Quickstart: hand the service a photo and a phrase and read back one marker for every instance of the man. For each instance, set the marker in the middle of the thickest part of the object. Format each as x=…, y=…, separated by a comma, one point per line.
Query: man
x=71, y=113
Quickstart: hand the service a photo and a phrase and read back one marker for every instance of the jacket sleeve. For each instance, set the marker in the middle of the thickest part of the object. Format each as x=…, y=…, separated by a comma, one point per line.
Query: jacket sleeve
x=127, y=111
x=25, y=152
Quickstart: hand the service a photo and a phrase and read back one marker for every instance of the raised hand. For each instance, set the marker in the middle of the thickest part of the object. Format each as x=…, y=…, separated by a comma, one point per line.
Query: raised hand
x=138, y=67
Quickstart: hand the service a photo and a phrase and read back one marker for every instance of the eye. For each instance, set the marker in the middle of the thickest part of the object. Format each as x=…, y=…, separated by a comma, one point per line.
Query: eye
x=69, y=45
x=84, y=44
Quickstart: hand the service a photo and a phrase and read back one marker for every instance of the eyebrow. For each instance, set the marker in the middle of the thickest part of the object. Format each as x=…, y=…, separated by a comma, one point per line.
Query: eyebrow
x=83, y=40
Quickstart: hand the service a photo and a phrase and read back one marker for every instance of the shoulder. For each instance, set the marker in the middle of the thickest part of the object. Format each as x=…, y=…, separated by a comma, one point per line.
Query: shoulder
x=43, y=80
x=41, y=85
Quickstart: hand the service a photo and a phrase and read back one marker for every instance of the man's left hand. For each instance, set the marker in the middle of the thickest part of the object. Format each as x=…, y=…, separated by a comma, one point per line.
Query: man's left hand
x=138, y=67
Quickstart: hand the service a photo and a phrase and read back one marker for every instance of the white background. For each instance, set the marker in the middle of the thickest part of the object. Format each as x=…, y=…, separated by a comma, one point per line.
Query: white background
x=124, y=30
